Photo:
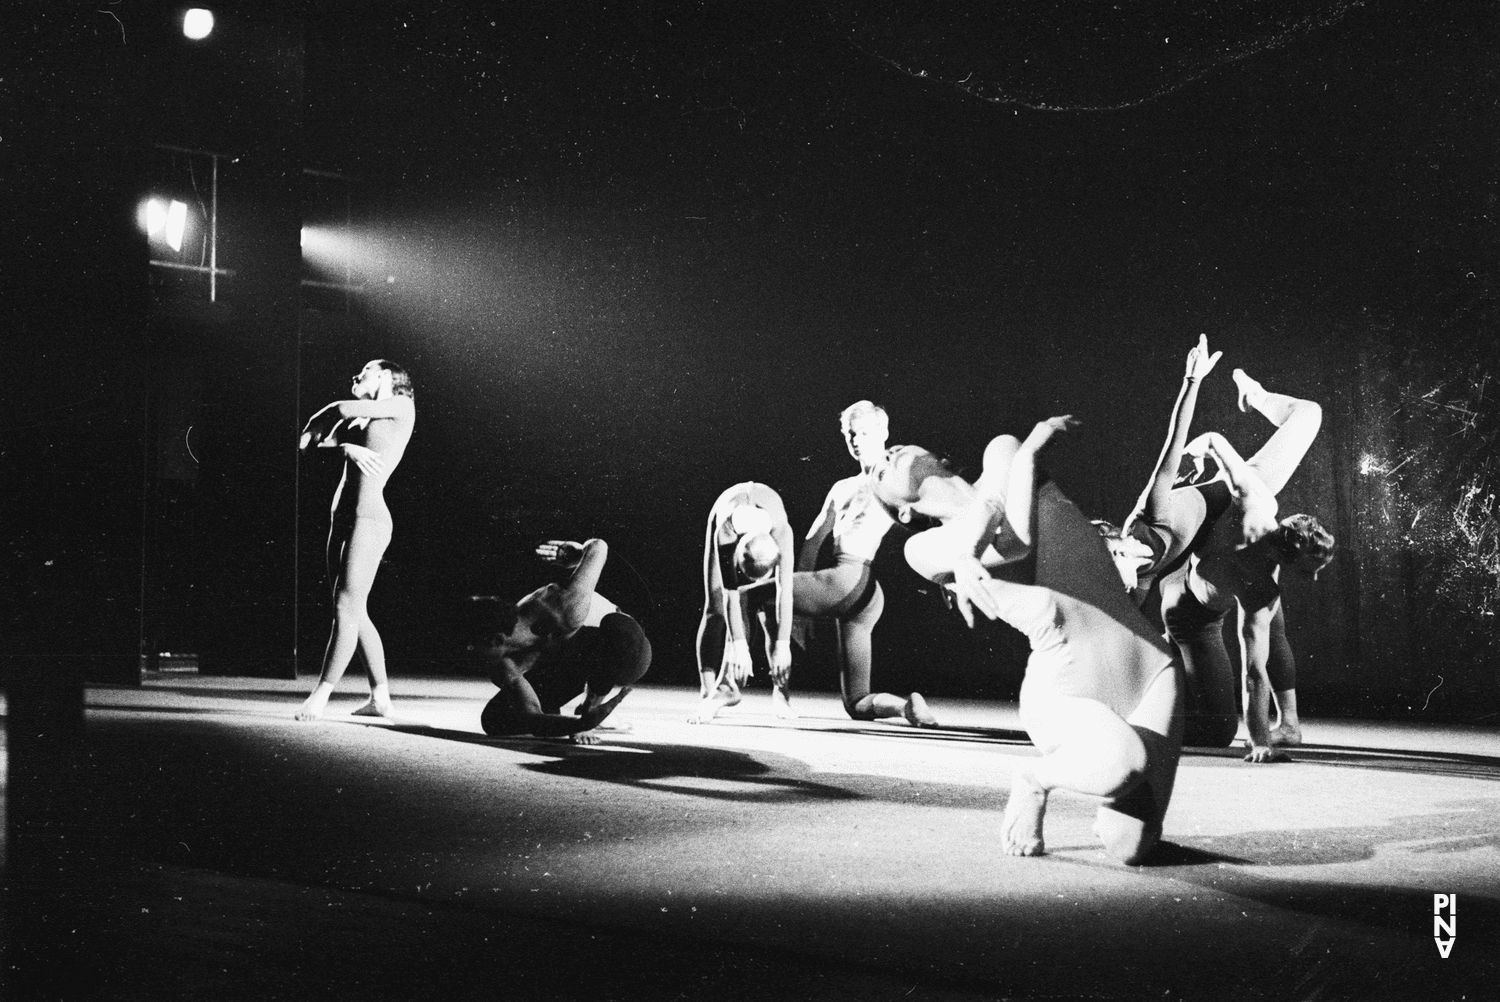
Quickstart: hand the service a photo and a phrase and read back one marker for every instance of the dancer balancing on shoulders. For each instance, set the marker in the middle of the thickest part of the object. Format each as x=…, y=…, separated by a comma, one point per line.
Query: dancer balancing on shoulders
x=371, y=431
x=747, y=580
x=848, y=592
x=561, y=641
x=1179, y=524
x=1102, y=695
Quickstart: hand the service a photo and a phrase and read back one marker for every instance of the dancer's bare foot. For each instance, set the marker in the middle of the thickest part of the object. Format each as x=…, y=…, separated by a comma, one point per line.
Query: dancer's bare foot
x=586, y=737
x=916, y=712
x=313, y=706
x=709, y=707
x=1021, y=828
x=782, y=703
x=373, y=707
x=1250, y=390
x=1286, y=736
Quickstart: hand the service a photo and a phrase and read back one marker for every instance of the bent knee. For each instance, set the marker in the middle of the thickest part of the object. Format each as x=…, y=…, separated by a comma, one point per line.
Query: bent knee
x=1128, y=839
x=1204, y=731
x=1129, y=765
x=1132, y=850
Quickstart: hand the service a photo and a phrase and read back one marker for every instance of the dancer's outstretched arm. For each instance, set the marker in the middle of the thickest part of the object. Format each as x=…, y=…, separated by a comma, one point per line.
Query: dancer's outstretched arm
x=1255, y=645
x=781, y=654
x=1153, y=501
x=781, y=531
x=517, y=710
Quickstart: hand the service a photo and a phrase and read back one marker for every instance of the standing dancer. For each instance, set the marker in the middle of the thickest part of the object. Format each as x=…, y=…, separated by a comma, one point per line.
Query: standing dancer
x=1102, y=696
x=1211, y=518
x=747, y=577
x=371, y=431
x=557, y=642
x=848, y=592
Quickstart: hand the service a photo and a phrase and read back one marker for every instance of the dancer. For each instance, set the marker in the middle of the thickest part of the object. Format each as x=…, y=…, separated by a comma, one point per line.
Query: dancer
x=1102, y=695
x=1204, y=517
x=848, y=592
x=573, y=639
x=1237, y=568
x=371, y=431
x=747, y=577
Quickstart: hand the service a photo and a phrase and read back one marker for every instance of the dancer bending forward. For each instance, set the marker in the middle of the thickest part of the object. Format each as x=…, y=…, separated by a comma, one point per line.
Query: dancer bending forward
x=747, y=577
x=371, y=431
x=847, y=592
x=1102, y=695
x=560, y=641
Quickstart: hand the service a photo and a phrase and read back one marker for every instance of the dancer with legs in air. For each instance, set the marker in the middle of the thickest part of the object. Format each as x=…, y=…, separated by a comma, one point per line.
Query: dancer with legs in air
x=747, y=579
x=847, y=592
x=1178, y=524
x=1102, y=695
x=371, y=431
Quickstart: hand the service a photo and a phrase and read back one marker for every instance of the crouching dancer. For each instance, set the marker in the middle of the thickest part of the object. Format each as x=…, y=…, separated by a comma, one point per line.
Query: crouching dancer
x=1102, y=695
x=560, y=641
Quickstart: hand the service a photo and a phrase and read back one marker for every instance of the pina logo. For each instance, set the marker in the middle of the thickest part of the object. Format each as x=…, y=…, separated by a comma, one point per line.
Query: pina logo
x=1444, y=929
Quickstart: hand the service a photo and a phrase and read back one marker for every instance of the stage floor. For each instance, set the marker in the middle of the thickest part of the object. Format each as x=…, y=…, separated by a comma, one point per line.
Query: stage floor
x=234, y=852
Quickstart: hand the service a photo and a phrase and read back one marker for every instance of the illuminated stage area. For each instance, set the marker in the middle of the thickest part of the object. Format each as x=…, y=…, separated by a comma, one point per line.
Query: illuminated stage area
x=243, y=855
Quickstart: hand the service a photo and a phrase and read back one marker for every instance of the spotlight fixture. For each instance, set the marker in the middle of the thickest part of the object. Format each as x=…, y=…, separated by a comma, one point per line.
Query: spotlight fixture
x=152, y=216
x=176, y=224
x=162, y=220
x=197, y=23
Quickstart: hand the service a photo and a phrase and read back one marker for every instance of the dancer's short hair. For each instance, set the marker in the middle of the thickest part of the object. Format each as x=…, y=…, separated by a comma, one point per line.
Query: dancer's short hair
x=924, y=464
x=756, y=556
x=485, y=619
x=400, y=379
x=1302, y=538
x=862, y=410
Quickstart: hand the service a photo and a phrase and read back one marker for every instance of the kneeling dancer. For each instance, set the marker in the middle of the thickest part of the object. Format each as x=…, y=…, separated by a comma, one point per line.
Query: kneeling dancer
x=562, y=640
x=1102, y=696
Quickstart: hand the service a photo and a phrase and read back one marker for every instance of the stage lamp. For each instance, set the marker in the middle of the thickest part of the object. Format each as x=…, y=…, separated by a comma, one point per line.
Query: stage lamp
x=152, y=216
x=176, y=224
x=197, y=23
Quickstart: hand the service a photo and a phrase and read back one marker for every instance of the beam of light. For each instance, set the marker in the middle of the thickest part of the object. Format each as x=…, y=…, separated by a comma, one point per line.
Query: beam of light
x=176, y=224
x=152, y=216
x=197, y=23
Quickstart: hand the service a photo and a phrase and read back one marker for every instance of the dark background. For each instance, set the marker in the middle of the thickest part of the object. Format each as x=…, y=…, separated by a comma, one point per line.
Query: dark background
x=636, y=252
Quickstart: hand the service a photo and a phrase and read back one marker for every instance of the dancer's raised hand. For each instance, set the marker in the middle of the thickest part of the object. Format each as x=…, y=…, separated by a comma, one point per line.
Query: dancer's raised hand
x=1045, y=430
x=1199, y=362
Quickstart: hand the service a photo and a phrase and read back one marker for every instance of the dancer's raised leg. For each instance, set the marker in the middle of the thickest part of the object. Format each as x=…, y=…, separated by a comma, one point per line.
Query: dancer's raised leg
x=1297, y=422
